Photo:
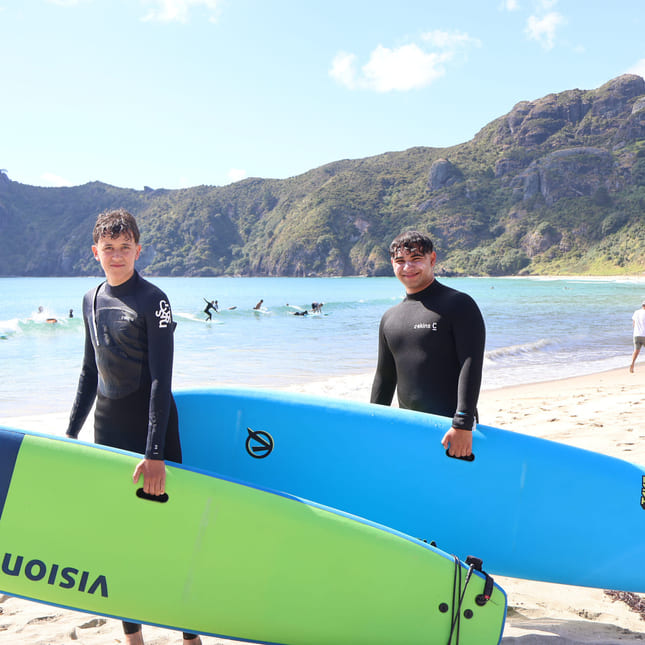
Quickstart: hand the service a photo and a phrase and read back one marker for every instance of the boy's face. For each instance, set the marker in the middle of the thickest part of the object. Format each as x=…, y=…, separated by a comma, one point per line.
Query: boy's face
x=117, y=256
x=413, y=268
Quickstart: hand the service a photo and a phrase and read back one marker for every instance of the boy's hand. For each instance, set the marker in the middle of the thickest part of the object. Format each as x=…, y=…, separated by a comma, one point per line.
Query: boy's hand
x=459, y=443
x=154, y=476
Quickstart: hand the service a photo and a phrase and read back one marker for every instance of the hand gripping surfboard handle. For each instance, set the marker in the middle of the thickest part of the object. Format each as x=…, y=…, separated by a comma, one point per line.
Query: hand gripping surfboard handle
x=470, y=457
x=162, y=499
x=482, y=598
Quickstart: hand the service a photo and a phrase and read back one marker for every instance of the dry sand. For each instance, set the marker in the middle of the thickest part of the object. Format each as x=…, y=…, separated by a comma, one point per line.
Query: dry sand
x=603, y=412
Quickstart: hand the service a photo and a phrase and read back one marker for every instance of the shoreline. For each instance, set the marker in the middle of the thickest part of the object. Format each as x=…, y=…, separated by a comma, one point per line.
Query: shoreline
x=604, y=412
x=355, y=387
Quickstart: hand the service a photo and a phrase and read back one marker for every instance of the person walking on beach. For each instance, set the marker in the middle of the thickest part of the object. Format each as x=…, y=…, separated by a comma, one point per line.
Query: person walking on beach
x=127, y=365
x=638, y=323
x=431, y=345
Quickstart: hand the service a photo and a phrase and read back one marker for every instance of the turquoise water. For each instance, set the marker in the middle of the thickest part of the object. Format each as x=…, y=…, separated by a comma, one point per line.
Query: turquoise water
x=537, y=329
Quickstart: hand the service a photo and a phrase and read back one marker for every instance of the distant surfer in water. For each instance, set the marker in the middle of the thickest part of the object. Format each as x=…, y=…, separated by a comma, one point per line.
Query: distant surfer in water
x=257, y=307
x=211, y=305
x=431, y=345
x=127, y=365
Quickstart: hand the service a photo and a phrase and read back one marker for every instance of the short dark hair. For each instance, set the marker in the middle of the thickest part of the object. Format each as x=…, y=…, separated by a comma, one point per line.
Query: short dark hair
x=411, y=240
x=115, y=222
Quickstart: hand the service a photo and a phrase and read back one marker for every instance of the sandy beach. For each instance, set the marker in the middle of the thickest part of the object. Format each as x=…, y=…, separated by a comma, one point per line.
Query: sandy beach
x=602, y=412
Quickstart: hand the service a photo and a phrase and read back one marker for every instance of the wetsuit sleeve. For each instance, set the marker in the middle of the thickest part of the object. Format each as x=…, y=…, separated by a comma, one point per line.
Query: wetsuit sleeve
x=384, y=382
x=87, y=382
x=160, y=328
x=470, y=340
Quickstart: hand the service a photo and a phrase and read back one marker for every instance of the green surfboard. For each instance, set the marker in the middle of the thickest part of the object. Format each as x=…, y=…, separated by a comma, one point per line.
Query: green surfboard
x=222, y=558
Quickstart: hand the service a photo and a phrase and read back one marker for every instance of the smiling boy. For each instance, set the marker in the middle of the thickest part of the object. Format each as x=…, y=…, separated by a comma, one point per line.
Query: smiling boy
x=431, y=345
x=127, y=364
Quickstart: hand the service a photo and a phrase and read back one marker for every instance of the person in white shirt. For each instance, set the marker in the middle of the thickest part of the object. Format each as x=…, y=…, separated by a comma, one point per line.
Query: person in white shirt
x=638, y=320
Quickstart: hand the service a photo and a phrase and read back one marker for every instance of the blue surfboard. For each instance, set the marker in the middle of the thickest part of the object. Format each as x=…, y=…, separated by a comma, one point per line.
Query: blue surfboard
x=529, y=507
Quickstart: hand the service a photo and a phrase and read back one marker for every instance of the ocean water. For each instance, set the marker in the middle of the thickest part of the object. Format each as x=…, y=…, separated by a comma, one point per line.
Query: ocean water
x=537, y=329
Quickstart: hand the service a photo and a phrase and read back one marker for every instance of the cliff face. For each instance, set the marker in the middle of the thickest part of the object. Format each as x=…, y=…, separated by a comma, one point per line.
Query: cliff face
x=610, y=112
x=556, y=185
x=572, y=172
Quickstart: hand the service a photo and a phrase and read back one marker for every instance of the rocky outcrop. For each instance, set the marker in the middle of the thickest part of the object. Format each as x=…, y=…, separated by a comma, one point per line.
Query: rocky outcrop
x=552, y=119
x=565, y=173
x=442, y=174
x=614, y=98
x=540, y=240
x=633, y=128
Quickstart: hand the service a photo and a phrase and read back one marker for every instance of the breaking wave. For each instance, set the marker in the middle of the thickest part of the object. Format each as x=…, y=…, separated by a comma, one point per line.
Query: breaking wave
x=518, y=350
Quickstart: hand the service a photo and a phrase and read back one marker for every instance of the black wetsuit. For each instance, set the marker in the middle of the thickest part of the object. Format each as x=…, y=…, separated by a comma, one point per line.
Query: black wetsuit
x=431, y=349
x=127, y=368
x=207, y=310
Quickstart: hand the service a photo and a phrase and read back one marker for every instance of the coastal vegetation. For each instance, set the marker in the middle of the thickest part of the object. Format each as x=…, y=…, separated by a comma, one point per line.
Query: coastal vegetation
x=556, y=186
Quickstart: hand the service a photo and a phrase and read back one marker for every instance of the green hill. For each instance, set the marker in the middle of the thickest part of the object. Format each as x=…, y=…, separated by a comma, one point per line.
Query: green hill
x=556, y=186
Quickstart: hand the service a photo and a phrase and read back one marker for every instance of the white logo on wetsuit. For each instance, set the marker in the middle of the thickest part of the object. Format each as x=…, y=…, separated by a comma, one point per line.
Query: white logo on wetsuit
x=164, y=315
x=432, y=325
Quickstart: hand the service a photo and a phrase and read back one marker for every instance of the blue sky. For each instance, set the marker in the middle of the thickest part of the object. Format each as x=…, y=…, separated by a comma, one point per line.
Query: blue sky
x=177, y=93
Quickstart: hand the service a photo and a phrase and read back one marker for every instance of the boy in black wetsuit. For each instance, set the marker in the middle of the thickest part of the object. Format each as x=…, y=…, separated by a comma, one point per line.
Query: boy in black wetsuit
x=431, y=345
x=127, y=364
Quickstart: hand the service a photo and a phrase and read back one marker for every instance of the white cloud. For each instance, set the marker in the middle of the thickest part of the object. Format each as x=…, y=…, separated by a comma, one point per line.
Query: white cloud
x=179, y=10
x=543, y=28
x=402, y=69
x=638, y=68
x=51, y=179
x=236, y=174
x=452, y=41
x=408, y=67
x=343, y=70
x=545, y=5
x=509, y=5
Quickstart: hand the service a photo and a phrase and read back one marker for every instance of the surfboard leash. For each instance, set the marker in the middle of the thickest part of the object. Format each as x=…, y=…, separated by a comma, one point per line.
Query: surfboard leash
x=455, y=621
x=458, y=594
x=489, y=583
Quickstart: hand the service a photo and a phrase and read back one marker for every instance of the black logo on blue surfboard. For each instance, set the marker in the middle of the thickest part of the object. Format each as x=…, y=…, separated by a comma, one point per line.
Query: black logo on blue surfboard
x=259, y=444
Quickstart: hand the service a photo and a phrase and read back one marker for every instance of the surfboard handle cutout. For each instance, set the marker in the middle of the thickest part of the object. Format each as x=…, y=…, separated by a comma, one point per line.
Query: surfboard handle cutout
x=470, y=457
x=162, y=499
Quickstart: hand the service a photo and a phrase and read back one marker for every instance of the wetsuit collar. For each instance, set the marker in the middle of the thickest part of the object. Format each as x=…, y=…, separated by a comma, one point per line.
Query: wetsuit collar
x=420, y=295
x=124, y=287
x=119, y=290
